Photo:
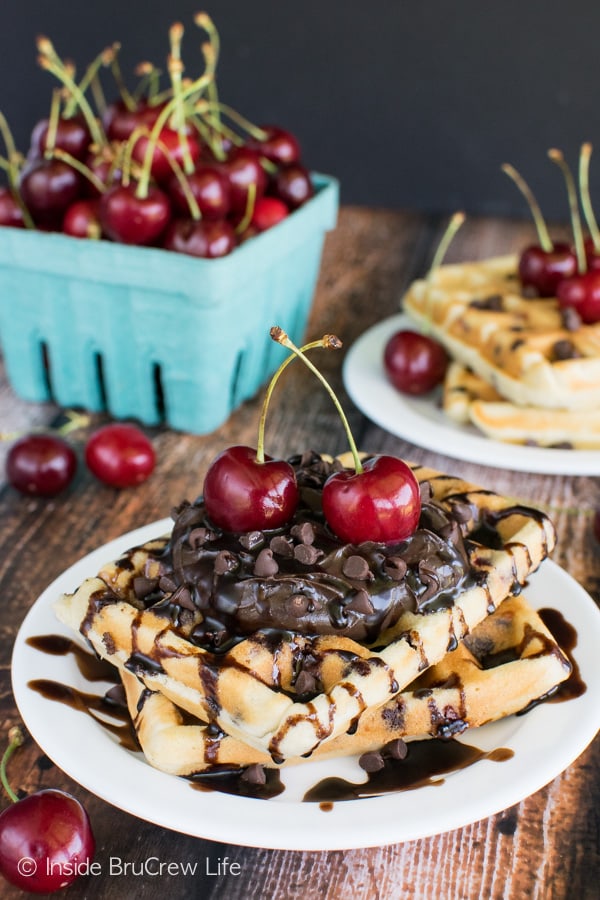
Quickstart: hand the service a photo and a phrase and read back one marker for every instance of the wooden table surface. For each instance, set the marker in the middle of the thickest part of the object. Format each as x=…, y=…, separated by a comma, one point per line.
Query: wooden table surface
x=545, y=847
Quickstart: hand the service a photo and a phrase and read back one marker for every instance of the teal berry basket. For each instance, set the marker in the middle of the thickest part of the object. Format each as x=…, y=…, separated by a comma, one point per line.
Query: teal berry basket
x=151, y=335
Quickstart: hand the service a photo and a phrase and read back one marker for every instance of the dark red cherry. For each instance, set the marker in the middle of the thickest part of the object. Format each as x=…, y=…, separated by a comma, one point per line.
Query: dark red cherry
x=292, y=184
x=268, y=211
x=210, y=189
x=279, y=146
x=169, y=146
x=207, y=239
x=130, y=219
x=592, y=257
x=120, y=455
x=72, y=136
x=46, y=841
x=242, y=494
x=11, y=215
x=243, y=169
x=41, y=465
x=382, y=503
x=48, y=187
x=582, y=293
x=543, y=270
x=120, y=122
x=81, y=220
x=413, y=362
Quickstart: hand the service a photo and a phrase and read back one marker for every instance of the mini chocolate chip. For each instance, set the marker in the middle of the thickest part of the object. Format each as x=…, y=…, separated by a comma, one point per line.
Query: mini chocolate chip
x=265, y=565
x=530, y=292
x=144, y=586
x=280, y=545
x=254, y=774
x=371, y=762
x=361, y=603
x=396, y=749
x=492, y=303
x=252, y=540
x=461, y=512
x=305, y=533
x=225, y=561
x=565, y=349
x=297, y=605
x=183, y=598
x=167, y=584
x=426, y=491
x=395, y=567
x=116, y=695
x=305, y=683
x=306, y=554
x=356, y=567
x=199, y=536
x=570, y=318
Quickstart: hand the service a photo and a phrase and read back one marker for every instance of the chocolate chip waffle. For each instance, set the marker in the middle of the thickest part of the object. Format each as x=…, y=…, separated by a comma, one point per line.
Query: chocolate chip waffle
x=529, y=351
x=467, y=398
x=228, y=627
x=508, y=662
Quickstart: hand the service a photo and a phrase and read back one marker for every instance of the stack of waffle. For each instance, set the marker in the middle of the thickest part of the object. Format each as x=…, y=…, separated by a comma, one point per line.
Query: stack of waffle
x=522, y=370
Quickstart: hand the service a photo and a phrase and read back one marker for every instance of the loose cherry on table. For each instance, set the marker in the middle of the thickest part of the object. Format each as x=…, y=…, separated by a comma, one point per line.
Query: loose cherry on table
x=41, y=465
x=46, y=839
x=380, y=500
x=414, y=362
x=120, y=455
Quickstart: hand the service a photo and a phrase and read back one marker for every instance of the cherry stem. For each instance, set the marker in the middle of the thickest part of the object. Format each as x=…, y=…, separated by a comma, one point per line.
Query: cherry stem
x=453, y=225
x=249, y=212
x=327, y=342
x=12, y=170
x=194, y=87
x=538, y=219
x=557, y=157
x=204, y=21
x=279, y=335
x=584, y=191
x=52, y=123
x=49, y=61
x=15, y=740
x=244, y=123
x=175, y=67
x=125, y=95
x=149, y=82
x=80, y=167
x=90, y=77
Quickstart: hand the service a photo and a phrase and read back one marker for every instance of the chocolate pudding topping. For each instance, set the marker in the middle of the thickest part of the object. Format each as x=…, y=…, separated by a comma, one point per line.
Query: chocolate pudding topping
x=301, y=578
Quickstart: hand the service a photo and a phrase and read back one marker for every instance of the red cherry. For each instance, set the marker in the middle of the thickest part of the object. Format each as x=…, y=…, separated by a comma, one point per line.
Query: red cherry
x=243, y=169
x=292, y=184
x=130, y=219
x=46, y=841
x=382, y=503
x=413, y=362
x=205, y=239
x=10, y=211
x=242, y=494
x=210, y=189
x=41, y=465
x=279, y=146
x=120, y=122
x=268, y=211
x=169, y=145
x=591, y=256
x=47, y=187
x=72, y=136
x=582, y=292
x=543, y=270
x=120, y=455
x=81, y=220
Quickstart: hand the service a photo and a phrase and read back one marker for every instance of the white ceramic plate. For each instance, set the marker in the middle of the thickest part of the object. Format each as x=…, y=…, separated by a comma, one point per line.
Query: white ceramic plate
x=93, y=757
x=421, y=421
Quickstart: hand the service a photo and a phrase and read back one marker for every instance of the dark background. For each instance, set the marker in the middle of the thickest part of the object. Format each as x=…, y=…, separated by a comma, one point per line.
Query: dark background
x=410, y=104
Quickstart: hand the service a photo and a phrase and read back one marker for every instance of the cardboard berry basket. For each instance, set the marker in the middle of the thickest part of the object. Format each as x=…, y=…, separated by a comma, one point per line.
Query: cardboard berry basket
x=153, y=335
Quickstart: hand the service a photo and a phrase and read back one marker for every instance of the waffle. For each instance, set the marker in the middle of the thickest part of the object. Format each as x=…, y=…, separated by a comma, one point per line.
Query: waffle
x=509, y=662
x=520, y=346
x=262, y=689
x=467, y=398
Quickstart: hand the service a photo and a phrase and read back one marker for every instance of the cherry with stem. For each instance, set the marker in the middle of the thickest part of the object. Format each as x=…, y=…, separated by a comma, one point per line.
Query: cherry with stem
x=541, y=266
x=247, y=490
x=380, y=500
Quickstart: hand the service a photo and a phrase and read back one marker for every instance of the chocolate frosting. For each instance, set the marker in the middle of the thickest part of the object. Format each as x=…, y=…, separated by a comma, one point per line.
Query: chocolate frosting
x=301, y=578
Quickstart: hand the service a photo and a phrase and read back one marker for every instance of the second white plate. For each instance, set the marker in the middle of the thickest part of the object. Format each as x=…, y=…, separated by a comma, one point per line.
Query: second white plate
x=421, y=421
